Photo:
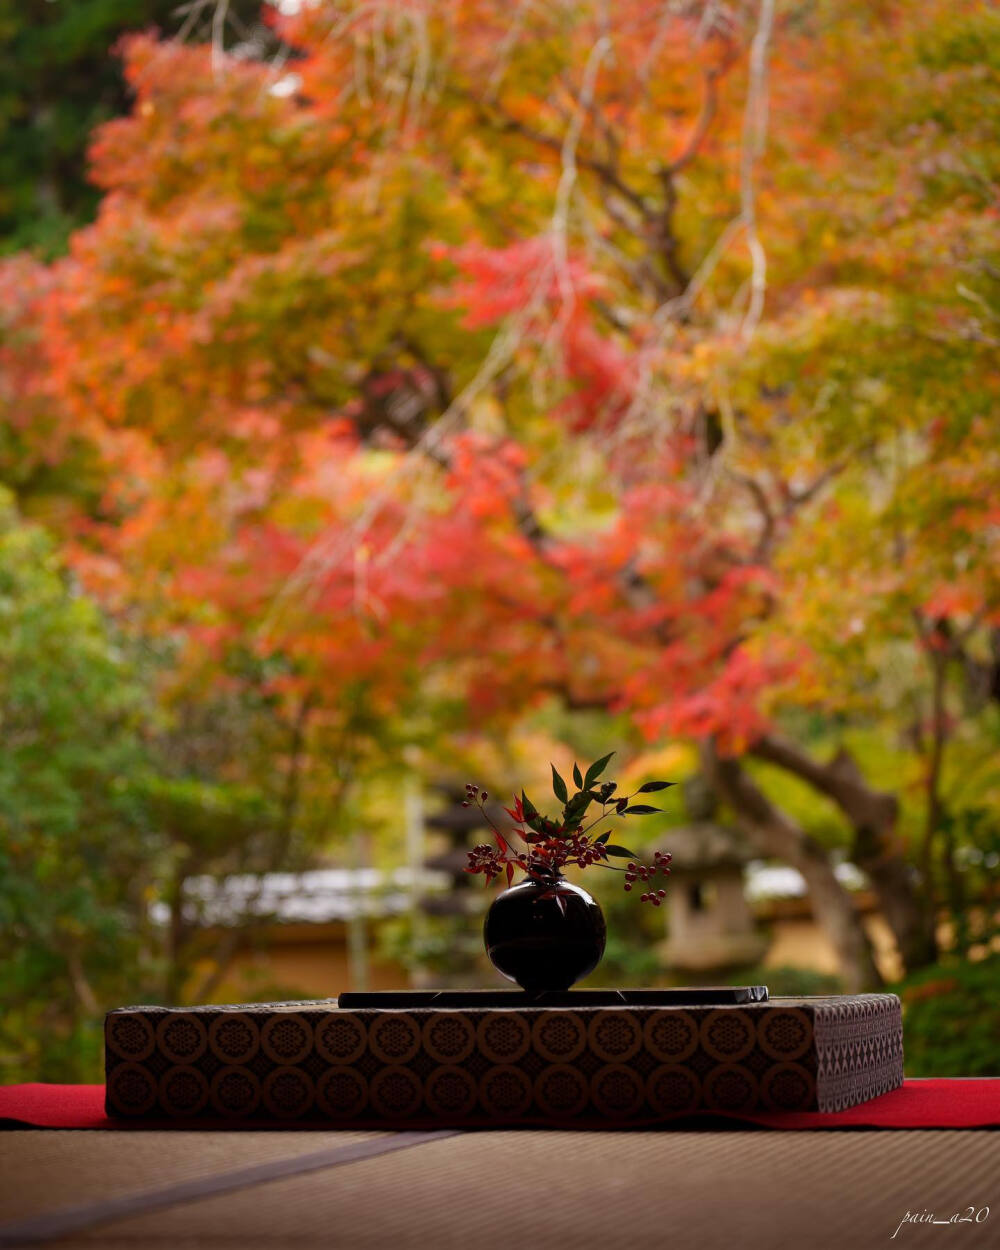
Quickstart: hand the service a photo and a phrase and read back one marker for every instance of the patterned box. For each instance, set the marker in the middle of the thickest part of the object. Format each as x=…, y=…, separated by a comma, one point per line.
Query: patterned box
x=400, y=1068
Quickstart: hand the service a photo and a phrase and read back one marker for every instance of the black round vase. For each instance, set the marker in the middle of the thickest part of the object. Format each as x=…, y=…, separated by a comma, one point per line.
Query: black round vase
x=544, y=934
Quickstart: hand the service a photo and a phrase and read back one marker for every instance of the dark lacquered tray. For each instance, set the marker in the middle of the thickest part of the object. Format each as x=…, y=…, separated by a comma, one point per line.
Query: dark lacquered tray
x=681, y=996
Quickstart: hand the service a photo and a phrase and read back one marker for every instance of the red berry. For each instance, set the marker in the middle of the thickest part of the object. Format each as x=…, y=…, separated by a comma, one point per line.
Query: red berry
x=627, y=887
x=661, y=893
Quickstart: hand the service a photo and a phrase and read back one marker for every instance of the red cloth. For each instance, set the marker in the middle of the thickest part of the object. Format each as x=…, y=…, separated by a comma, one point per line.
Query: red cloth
x=53, y=1106
x=930, y=1103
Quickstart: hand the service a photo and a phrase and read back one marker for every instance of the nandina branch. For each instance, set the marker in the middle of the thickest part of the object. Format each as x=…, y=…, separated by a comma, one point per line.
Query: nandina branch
x=554, y=844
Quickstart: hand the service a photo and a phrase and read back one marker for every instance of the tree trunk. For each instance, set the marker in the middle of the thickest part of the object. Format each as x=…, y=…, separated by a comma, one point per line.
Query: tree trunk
x=877, y=850
x=776, y=834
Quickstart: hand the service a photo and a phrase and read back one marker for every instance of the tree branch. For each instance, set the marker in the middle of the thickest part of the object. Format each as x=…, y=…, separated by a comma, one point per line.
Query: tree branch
x=839, y=780
x=754, y=135
x=878, y=849
x=702, y=125
x=774, y=833
x=501, y=120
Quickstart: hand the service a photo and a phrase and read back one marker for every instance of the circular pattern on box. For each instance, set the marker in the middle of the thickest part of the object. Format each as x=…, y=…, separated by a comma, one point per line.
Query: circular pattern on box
x=504, y=1036
x=130, y=1036
x=728, y=1035
x=286, y=1039
x=559, y=1036
x=672, y=1089
x=395, y=1092
x=785, y=1033
x=131, y=1089
x=450, y=1091
x=342, y=1092
x=288, y=1093
x=614, y=1036
x=340, y=1039
x=181, y=1037
x=449, y=1037
x=235, y=1091
x=671, y=1036
x=505, y=1092
x=234, y=1038
x=561, y=1090
x=616, y=1090
x=183, y=1090
x=788, y=1087
x=394, y=1037
x=730, y=1087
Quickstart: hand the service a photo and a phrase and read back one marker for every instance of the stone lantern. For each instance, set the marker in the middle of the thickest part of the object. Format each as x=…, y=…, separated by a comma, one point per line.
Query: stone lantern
x=450, y=919
x=455, y=825
x=709, y=922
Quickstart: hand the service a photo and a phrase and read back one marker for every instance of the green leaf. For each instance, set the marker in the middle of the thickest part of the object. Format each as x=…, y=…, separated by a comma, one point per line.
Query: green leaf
x=559, y=786
x=595, y=770
x=577, y=776
x=575, y=808
x=621, y=852
x=640, y=809
x=650, y=786
x=603, y=838
x=531, y=816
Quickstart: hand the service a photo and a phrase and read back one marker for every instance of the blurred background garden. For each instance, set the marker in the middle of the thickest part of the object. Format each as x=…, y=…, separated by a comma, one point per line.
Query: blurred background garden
x=396, y=393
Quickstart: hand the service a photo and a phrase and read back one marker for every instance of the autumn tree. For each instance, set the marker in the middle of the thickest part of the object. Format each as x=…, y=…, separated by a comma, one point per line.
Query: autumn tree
x=476, y=357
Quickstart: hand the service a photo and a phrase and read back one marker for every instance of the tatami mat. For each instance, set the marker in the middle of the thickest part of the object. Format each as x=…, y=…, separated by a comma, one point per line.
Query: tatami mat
x=713, y=1191
x=43, y=1170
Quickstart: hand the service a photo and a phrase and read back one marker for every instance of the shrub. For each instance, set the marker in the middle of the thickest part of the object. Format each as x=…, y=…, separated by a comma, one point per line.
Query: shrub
x=951, y=1019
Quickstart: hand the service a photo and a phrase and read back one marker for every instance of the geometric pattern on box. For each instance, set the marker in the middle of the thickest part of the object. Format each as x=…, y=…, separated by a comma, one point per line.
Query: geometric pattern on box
x=579, y=1065
x=859, y=1052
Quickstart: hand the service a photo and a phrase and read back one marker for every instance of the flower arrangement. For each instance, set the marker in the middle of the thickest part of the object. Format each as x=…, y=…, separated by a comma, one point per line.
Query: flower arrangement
x=551, y=844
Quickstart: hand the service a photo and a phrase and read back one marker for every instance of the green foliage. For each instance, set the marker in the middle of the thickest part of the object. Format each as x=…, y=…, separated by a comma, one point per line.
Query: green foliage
x=74, y=851
x=435, y=948
x=631, y=955
x=627, y=963
x=110, y=801
x=58, y=83
x=951, y=1019
x=58, y=80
